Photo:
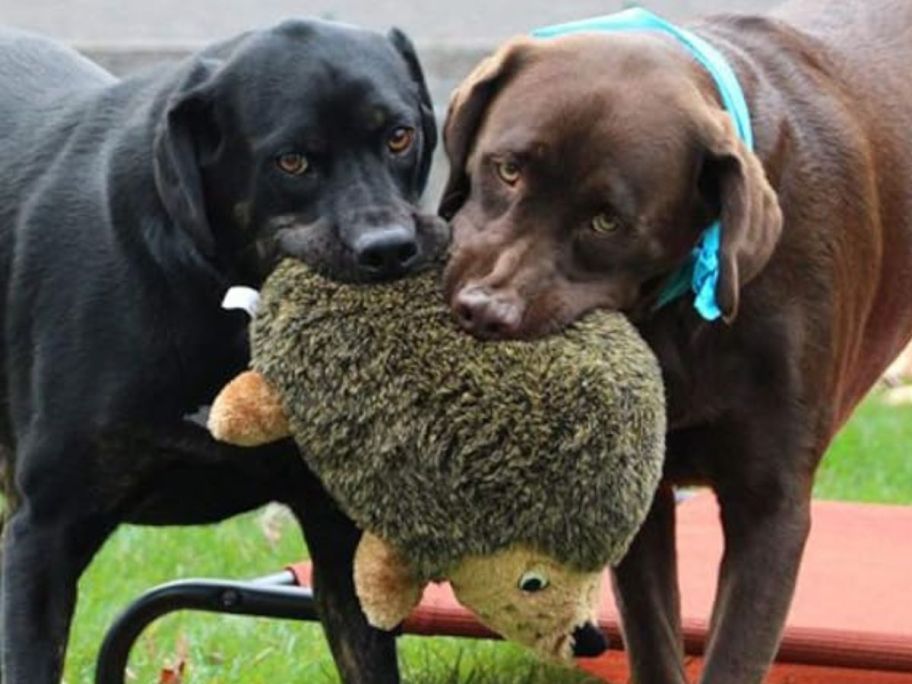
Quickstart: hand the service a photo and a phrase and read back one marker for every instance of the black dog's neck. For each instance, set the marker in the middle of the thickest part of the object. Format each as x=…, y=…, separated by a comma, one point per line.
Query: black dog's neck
x=186, y=284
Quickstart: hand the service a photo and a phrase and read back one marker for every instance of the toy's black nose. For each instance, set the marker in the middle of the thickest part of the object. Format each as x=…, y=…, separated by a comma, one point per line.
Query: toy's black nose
x=386, y=251
x=588, y=641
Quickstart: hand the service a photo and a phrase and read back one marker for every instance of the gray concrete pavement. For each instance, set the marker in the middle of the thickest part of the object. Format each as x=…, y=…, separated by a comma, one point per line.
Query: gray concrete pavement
x=191, y=22
x=451, y=35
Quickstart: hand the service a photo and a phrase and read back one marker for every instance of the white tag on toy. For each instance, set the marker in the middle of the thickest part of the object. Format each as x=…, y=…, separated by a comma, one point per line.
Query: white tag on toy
x=240, y=297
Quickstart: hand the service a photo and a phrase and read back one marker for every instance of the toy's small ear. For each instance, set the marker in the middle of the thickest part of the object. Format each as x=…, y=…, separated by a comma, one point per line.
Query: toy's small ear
x=385, y=583
x=248, y=412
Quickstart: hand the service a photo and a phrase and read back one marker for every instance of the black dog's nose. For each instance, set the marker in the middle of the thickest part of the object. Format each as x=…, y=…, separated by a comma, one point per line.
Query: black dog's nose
x=386, y=251
x=588, y=641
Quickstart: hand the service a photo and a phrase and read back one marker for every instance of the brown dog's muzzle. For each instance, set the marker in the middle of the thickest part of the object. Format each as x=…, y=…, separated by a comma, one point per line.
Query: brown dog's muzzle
x=488, y=282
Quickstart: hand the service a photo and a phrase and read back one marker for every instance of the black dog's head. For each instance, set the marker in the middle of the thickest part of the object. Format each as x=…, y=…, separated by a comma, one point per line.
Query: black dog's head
x=311, y=140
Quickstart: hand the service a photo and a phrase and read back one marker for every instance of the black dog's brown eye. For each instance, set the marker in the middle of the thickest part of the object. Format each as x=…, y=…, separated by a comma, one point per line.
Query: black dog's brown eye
x=508, y=171
x=293, y=163
x=401, y=139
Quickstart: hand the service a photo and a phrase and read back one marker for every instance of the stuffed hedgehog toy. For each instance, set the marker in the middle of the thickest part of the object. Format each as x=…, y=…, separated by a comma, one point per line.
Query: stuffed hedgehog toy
x=516, y=470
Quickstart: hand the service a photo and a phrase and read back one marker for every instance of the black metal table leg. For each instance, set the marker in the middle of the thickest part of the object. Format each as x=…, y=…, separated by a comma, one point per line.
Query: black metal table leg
x=275, y=596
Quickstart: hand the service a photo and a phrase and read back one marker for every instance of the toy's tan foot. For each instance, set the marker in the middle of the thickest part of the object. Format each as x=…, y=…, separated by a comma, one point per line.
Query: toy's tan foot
x=248, y=412
x=385, y=584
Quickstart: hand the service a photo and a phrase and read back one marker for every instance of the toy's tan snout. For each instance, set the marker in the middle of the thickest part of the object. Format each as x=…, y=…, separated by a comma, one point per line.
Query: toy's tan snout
x=531, y=599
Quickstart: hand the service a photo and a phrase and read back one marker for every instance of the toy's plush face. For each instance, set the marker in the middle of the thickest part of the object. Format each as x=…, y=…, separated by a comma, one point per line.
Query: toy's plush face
x=530, y=598
x=523, y=595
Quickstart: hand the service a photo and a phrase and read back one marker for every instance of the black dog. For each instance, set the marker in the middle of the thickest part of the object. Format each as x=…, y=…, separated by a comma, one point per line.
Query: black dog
x=126, y=209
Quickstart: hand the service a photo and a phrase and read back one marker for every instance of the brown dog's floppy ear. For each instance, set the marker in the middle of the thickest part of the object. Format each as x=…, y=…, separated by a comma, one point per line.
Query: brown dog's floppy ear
x=186, y=130
x=748, y=208
x=428, y=123
x=468, y=104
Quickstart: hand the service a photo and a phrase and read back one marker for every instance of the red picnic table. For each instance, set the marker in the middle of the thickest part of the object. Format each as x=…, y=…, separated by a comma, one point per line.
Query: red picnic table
x=850, y=622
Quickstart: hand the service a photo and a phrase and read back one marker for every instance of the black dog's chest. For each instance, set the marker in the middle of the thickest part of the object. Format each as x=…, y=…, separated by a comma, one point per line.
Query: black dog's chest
x=210, y=355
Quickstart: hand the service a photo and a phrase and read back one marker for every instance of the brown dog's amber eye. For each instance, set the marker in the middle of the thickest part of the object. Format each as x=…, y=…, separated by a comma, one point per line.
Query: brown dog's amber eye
x=293, y=163
x=604, y=223
x=401, y=139
x=508, y=172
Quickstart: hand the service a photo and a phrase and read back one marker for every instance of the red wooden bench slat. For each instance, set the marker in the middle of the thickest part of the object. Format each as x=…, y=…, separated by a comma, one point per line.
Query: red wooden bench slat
x=852, y=609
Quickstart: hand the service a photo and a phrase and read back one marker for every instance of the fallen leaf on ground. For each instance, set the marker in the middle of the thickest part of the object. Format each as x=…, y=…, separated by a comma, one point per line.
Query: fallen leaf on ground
x=174, y=672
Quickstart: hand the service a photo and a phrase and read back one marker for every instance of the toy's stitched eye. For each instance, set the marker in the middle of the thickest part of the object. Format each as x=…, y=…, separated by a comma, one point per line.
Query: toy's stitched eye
x=604, y=223
x=532, y=582
x=293, y=163
x=508, y=171
x=401, y=139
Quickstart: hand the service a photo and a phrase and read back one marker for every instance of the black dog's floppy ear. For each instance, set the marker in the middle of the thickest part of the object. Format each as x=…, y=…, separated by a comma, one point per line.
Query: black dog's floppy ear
x=428, y=122
x=468, y=104
x=184, y=132
x=748, y=207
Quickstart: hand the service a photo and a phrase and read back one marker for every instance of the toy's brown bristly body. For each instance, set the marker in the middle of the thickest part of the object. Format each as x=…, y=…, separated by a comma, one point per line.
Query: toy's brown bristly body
x=448, y=447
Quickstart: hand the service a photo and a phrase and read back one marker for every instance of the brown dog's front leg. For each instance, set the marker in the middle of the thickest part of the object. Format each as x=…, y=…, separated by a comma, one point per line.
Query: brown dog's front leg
x=646, y=589
x=765, y=533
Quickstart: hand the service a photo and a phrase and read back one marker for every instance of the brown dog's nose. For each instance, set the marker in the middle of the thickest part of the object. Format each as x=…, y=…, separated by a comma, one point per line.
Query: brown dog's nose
x=487, y=314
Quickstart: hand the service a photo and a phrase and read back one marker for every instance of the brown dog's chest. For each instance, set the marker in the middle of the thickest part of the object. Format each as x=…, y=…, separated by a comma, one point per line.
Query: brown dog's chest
x=830, y=310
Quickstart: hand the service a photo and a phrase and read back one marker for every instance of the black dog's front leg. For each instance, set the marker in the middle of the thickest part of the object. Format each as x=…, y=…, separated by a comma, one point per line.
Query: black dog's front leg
x=43, y=555
x=246, y=478
x=363, y=654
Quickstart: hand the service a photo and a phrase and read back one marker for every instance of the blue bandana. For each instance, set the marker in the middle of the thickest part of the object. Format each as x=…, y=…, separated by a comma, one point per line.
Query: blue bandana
x=701, y=273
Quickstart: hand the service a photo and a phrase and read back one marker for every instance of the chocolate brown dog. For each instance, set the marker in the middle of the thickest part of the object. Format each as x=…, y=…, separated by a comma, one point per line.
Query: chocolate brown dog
x=584, y=169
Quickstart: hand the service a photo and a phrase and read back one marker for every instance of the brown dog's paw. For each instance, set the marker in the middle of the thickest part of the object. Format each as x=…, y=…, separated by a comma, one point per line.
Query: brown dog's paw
x=248, y=412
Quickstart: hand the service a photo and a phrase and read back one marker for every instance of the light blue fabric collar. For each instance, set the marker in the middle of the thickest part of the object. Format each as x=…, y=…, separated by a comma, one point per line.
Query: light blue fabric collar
x=701, y=274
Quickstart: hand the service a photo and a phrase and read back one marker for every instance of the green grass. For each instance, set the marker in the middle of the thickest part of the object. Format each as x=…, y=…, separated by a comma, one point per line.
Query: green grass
x=871, y=458
x=227, y=649
x=869, y=461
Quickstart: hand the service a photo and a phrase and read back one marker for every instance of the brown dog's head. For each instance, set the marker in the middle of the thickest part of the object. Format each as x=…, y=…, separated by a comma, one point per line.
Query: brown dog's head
x=582, y=171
